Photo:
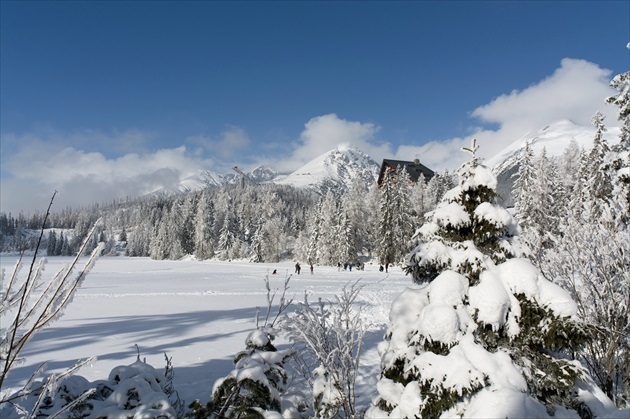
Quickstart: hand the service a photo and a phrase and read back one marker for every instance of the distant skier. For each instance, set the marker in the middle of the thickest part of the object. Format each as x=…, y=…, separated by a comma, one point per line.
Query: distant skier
x=298, y=268
x=274, y=272
x=311, y=269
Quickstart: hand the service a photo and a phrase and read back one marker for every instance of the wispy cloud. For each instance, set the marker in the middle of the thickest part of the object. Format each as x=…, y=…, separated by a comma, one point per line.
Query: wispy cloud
x=575, y=91
x=40, y=166
x=230, y=143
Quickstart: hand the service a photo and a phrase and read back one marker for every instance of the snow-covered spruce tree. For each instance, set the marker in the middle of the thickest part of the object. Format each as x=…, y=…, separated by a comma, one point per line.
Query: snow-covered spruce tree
x=227, y=237
x=417, y=198
x=256, y=386
x=437, y=186
x=488, y=336
x=523, y=193
x=403, y=213
x=52, y=243
x=386, y=239
x=356, y=210
x=619, y=161
x=394, y=217
x=468, y=231
x=547, y=198
x=328, y=242
x=599, y=183
x=315, y=233
x=203, y=221
x=258, y=244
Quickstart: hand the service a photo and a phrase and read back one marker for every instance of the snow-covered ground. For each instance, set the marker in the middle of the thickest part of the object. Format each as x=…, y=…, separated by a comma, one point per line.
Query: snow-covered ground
x=197, y=312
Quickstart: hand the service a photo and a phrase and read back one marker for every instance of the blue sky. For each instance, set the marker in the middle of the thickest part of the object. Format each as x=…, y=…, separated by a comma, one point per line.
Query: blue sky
x=105, y=95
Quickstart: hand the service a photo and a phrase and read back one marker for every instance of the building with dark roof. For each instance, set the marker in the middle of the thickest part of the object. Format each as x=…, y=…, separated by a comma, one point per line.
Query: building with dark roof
x=414, y=168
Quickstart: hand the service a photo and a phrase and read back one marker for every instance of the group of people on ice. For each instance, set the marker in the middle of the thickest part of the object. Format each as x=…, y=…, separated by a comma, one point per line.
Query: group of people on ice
x=298, y=268
x=346, y=266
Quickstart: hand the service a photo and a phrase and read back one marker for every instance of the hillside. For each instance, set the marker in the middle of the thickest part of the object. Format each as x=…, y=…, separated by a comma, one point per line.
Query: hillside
x=553, y=138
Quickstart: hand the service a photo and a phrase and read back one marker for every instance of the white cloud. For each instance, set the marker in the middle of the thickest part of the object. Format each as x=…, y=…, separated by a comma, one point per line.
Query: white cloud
x=39, y=167
x=575, y=91
x=323, y=133
x=230, y=143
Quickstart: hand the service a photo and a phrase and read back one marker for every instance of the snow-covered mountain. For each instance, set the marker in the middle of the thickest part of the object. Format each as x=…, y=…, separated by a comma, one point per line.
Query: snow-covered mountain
x=554, y=138
x=262, y=174
x=334, y=170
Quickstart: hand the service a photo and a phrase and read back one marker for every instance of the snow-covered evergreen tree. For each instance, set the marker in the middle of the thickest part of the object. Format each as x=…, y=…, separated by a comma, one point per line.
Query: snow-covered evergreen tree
x=52, y=243
x=372, y=219
x=386, y=240
x=258, y=244
x=546, y=209
x=59, y=244
x=569, y=163
x=437, y=187
x=272, y=238
x=227, y=238
x=619, y=161
x=123, y=235
x=418, y=204
x=404, y=217
x=468, y=231
x=523, y=192
x=315, y=233
x=203, y=222
x=488, y=336
x=328, y=243
x=356, y=210
x=598, y=187
x=345, y=231
x=139, y=242
x=188, y=211
x=256, y=385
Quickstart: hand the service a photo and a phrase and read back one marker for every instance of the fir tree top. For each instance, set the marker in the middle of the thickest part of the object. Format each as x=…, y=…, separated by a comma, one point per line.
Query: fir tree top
x=468, y=231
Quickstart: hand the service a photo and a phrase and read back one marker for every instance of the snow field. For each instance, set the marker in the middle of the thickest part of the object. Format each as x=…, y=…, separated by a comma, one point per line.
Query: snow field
x=197, y=312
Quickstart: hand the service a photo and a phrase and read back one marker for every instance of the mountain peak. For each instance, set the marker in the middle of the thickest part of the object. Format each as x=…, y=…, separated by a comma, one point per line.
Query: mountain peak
x=334, y=170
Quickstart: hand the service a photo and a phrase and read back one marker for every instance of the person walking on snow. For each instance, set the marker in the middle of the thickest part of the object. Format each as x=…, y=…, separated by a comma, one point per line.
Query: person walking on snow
x=297, y=268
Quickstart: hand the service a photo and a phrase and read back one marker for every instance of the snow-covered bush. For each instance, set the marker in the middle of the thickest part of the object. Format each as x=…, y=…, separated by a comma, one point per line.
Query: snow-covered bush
x=255, y=387
x=131, y=391
x=28, y=304
x=329, y=338
x=489, y=336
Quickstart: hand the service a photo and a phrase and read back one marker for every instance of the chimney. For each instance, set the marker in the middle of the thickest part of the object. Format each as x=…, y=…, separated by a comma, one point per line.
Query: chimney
x=416, y=162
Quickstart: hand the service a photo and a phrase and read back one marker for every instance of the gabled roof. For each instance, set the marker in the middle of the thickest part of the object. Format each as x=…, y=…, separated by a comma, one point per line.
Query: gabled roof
x=413, y=168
